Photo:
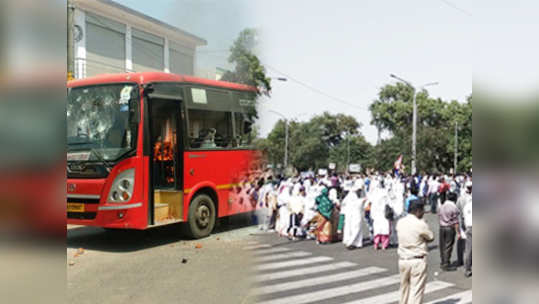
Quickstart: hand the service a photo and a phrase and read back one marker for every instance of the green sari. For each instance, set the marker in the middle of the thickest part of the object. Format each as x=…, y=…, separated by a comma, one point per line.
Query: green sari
x=325, y=205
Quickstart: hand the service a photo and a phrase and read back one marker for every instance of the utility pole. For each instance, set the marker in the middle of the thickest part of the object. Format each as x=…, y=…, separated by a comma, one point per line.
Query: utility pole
x=378, y=139
x=414, y=119
x=348, y=154
x=285, y=144
x=456, y=149
x=70, y=40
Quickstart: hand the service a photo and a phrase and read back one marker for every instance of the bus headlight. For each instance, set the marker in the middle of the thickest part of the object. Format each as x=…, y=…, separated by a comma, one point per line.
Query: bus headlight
x=122, y=187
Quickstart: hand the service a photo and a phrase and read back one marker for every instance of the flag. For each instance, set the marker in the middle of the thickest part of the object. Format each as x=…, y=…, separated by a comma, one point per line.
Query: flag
x=398, y=162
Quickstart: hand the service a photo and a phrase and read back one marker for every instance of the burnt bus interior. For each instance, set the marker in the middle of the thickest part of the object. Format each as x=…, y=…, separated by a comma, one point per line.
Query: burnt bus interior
x=189, y=117
x=167, y=160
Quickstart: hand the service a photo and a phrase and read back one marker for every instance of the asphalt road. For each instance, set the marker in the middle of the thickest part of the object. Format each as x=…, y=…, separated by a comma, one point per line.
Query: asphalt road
x=304, y=272
x=159, y=265
x=239, y=264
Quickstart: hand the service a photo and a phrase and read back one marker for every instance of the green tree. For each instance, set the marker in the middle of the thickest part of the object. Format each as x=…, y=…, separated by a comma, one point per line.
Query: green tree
x=247, y=66
x=360, y=152
x=312, y=144
x=393, y=112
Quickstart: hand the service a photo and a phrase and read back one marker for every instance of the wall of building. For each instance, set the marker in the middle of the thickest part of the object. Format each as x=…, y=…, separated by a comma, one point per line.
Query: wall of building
x=115, y=46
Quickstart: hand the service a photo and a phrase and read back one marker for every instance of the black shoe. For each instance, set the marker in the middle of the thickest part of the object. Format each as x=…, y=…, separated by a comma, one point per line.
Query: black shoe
x=449, y=268
x=468, y=273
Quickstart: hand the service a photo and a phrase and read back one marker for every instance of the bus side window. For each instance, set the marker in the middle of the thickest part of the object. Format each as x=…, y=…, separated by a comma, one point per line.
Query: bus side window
x=210, y=129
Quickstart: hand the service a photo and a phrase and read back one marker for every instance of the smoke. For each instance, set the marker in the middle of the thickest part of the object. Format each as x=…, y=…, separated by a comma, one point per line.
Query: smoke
x=218, y=22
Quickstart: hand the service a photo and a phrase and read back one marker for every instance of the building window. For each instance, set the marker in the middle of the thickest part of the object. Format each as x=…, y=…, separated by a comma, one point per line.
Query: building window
x=105, y=46
x=181, y=59
x=148, y=51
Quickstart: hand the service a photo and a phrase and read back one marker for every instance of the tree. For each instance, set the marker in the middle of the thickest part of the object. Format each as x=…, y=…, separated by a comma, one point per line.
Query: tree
x=247, y=67
x=312, y=144
x=360, y=152
x=393, y=112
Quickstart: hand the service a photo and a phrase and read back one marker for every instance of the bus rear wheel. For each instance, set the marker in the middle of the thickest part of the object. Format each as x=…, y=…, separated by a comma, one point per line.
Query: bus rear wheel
x=201, y=218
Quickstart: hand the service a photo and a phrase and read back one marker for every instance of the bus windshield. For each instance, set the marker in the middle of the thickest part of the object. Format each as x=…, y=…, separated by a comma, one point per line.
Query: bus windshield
x=102, y=122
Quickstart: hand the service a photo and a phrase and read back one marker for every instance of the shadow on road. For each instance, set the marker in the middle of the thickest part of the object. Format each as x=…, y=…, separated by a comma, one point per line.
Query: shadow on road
x=95, y=238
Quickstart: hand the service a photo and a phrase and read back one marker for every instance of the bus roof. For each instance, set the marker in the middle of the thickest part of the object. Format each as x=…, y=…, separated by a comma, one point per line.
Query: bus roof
x=149, y=77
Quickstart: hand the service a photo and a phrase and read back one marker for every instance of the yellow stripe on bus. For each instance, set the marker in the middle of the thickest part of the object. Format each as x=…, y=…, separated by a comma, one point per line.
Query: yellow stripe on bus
x=219, y=187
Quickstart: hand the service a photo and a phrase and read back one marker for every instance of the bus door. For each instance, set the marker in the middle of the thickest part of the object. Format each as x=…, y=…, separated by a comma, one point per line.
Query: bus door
x=166, y=164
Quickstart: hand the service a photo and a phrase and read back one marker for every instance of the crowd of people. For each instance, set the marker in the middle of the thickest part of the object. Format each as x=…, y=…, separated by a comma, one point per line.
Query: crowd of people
x=336, y=208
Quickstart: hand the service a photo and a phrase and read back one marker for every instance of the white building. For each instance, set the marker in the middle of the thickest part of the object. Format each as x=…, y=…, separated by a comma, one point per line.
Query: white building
x=112, y=38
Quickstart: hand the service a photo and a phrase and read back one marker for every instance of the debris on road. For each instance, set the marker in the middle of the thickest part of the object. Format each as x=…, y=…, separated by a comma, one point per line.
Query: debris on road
x=198, y=246
x=71, y=263
x=184, y=261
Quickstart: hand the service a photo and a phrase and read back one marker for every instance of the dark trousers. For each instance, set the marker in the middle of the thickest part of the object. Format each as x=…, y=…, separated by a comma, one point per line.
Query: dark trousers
x=294, y=223
x=433, y=197
x=461, y=246
x=468, y=254
x=273, y=218
x=447, y=240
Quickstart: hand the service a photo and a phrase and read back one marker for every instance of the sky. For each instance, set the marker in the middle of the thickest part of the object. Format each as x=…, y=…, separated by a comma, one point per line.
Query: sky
x=336, y=55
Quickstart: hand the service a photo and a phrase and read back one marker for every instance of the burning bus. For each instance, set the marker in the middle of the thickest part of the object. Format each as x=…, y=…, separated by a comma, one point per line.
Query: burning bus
x=148, y=149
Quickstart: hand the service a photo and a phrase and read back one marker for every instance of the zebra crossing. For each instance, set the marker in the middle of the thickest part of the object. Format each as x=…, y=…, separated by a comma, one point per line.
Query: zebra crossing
x=284, y=275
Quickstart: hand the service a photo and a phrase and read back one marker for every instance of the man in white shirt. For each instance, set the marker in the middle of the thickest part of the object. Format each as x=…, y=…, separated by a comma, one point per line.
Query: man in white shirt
x=414, y=234
x=433, y=194
x=296, y=208
x=464, y=198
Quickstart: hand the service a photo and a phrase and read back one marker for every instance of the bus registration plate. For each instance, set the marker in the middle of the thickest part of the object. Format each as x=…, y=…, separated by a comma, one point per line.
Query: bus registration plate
x=75, y=207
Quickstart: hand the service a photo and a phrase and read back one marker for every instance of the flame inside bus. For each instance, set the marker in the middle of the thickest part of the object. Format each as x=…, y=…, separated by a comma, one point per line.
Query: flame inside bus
x=164, y=152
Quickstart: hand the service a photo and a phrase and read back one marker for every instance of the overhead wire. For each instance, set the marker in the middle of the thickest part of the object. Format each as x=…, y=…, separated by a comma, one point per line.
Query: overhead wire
x=316, y=90
x=451, y=4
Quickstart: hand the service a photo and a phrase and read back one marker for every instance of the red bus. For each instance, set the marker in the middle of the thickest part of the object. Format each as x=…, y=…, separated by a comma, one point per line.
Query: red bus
x=148, y=149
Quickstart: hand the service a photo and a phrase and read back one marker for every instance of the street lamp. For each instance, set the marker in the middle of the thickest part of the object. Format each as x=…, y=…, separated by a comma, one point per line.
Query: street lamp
x=285, y=137
x=414, y=115
x=286, y=120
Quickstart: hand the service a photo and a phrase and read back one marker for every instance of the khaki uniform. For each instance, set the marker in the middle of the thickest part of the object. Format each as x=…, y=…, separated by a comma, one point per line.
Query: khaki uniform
x=414, y=234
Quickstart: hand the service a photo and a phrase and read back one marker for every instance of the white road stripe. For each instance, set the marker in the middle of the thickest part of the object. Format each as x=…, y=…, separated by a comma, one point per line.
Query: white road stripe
x=457, y=298
x=256, y=247
x=329, y=293
x=394, y=296
x=271, y=250
x=302, y=271
x=296, y=262
x=253, y=243
x=318, y=280
x=267, y=258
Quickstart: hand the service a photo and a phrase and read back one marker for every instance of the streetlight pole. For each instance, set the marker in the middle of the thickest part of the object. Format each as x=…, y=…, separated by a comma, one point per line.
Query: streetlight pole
x=285, y=161
x=456, y=149
x=285, y=143
x=348, y=152
x=286, y=122
x=414, y=115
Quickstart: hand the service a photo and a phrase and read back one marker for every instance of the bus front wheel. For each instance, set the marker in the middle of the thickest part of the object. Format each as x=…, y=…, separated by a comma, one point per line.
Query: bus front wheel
x=201, y=218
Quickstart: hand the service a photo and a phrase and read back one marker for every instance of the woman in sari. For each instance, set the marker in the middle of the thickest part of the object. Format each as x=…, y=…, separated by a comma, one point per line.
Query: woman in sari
x=381, y=228
x=323, y=218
